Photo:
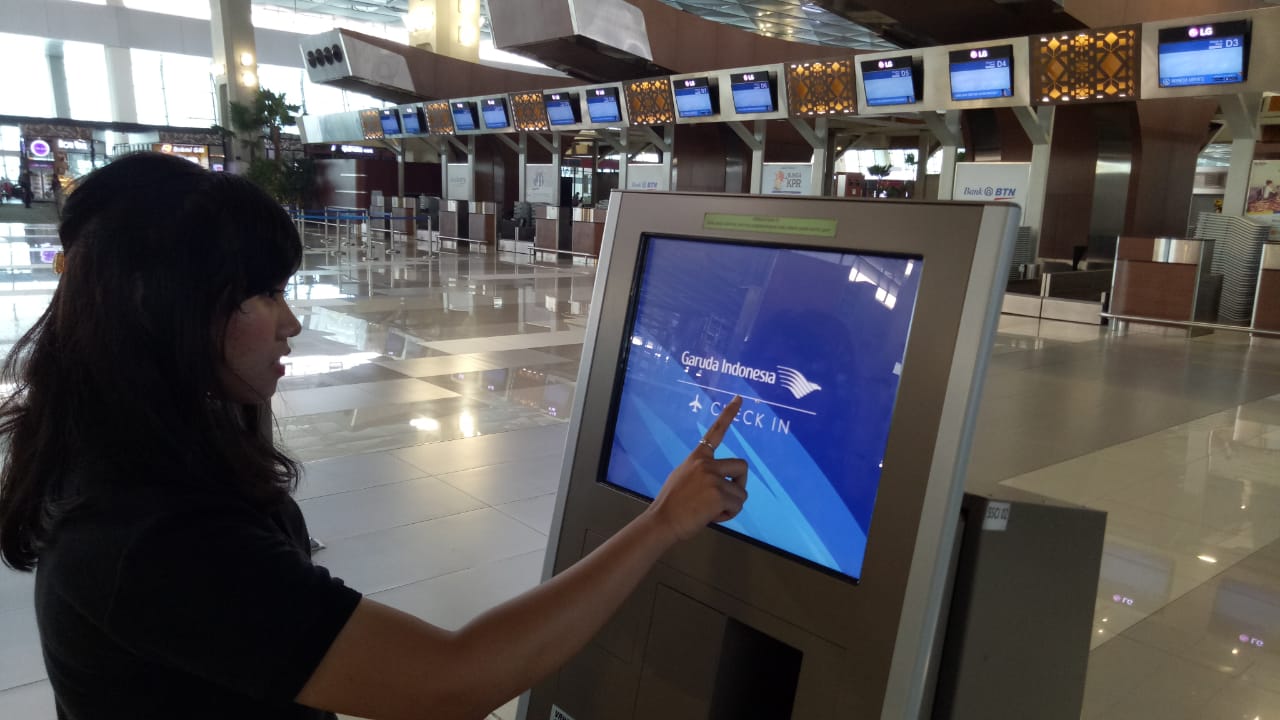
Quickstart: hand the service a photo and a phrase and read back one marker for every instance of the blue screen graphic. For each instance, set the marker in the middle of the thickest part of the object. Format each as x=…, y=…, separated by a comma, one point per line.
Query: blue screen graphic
x=889, y=87
x=753, y=97
x=390, y=123
x=1218, y=61
x=495, y=115
x=694, y=101
x=560, y=111
x=603, y=109
x=813, y=340
x=411, y=124
x=981, y=79
x=463, y=118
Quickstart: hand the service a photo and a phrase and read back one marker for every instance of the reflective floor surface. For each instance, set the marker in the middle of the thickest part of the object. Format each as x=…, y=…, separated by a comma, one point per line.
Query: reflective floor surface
x=429, y=399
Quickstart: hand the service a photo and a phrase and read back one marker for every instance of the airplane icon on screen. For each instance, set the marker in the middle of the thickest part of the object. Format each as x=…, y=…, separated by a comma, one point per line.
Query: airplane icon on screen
x=695, y=404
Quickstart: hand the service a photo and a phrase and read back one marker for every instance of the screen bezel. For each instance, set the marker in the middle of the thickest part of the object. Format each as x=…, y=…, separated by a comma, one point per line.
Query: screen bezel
x=418, y=115
x=470, y=107
x=738, y=78
x=910, y=62
x=609, y=92
x=713, y=95
x=494, y=102
x=574, y=107
x=1178, y=34
x=393, y=115
x=994, y=52
x=624, y=353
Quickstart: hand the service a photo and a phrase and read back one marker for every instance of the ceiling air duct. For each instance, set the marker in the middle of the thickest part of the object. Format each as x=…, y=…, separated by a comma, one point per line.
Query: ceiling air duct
x=595, y=40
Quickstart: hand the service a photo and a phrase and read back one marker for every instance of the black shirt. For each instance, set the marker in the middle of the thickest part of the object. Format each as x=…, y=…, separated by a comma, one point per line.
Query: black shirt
x=183, y=603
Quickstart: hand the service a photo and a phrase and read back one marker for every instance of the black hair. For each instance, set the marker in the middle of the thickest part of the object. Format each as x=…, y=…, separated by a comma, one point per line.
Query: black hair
x=117, y=382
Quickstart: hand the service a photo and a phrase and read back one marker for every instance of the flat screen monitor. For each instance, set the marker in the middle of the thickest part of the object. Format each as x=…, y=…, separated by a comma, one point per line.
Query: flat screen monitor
x=562, y=108
x=602, y=105
x=464, y=115
x=753, y=92
x=390, y=122
x=891, y=81
x=1215, y=54
x=982, y=73
x=412, y=121
x=812, y=339
x=695, y=97
x=494, y=112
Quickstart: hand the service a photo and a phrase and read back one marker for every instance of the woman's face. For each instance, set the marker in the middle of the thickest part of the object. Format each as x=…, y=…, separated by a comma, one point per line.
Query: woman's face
x=257, y=337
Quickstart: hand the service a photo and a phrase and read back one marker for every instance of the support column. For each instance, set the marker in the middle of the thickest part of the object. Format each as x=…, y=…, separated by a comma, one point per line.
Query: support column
x=445, y=27
x=1038, y=125
x=754, y=140
x=817, y=137
x=235, y=60
x=58, y=78
x=922, y=167
x=1241, y=112
x=946, y=128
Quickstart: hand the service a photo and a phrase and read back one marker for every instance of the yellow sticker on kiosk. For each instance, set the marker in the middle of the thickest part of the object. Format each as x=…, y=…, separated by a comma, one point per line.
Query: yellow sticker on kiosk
x=810, y=227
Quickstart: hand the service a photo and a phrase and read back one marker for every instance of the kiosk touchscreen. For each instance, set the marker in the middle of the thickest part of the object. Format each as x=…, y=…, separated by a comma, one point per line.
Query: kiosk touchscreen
x=856, y=333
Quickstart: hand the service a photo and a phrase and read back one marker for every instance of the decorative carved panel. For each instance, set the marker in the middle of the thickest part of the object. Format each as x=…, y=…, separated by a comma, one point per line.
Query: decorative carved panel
x=1088, y=66
x=649, y=101
x=529, y=111
x=823, y=87
x=371, y=124
x=439, y=118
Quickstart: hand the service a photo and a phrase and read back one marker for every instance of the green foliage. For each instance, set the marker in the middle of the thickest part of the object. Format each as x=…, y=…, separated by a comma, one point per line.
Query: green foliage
x=292, y=182
x=262, y=119
x=879, y=171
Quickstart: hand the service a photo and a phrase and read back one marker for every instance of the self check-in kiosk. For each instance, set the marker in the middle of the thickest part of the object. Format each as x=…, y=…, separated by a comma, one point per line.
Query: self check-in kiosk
x=857, y=333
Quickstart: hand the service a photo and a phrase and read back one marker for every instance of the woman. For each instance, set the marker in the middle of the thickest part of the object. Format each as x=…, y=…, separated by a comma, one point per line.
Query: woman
x=172, y=570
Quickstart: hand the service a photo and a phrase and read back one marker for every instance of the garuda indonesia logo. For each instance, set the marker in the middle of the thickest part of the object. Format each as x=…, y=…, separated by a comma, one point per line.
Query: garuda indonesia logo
x=797, y=383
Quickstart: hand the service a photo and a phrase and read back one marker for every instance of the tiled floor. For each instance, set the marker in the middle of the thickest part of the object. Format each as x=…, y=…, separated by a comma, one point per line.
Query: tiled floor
x=429, y=398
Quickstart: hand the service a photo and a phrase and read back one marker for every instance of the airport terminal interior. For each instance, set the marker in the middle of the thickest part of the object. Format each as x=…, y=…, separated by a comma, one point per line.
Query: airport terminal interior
x=431, y=392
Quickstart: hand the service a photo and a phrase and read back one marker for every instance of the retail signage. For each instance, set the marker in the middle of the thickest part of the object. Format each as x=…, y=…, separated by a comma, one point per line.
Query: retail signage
x=648, y=177
x=460, y=182
x=992, y=182
x=786, y=179
x=39, y=150
x=184, y=149
x=73, y=145
x=353, y=149
x=540, y=184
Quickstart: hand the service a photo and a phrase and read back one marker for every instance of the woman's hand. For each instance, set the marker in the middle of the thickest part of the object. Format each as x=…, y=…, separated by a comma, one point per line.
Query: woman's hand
x=702, y=489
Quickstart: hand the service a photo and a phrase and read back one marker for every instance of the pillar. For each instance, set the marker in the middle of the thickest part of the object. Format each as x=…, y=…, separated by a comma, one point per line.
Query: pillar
x=235, y=62
x=58, y=78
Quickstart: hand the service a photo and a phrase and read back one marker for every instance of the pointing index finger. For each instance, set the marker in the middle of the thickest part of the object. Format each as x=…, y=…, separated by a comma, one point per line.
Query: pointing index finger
x=718, y=429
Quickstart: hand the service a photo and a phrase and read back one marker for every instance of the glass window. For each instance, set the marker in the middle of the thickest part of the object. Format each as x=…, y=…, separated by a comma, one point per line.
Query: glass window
x=198, y=9
x=172, y=89
x=87, y=87
x=25, y=85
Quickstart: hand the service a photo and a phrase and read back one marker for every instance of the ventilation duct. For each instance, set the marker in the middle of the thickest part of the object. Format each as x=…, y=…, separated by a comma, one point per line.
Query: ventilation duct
x=595, y=40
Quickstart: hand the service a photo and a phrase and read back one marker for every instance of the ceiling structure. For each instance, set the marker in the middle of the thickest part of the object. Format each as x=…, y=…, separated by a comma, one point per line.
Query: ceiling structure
x=797, y=20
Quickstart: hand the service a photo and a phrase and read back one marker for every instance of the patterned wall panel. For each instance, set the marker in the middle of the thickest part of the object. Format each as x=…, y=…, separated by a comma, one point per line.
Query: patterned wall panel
x=824, y=87
x=439, y=118
x=1088, y=66
x=371, y=124
x=529, y=111
x=649, y=101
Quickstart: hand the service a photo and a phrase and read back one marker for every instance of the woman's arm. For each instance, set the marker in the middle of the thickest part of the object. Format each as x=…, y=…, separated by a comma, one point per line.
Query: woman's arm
x=388, y=665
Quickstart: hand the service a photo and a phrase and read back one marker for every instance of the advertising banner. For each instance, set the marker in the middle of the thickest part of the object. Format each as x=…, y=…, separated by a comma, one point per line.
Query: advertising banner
x=647, y=177
x=786, y=179
x=460, y=182
x=540, y=184
x=992, y=182
x=1263, y=200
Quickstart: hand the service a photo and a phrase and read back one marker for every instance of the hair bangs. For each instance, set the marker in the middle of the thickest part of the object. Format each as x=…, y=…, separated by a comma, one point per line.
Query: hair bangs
x=264, y=240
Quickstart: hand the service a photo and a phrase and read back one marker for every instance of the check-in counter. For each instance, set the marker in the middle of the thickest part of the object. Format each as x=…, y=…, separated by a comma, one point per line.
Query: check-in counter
x=553, y=229
x=588, y=230
x=455, y=219
x=1266, y=306
x=484, y=223
x=1164, y=279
